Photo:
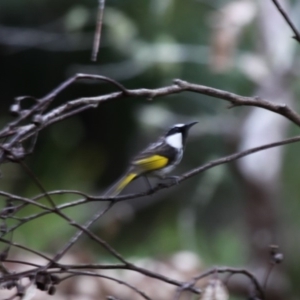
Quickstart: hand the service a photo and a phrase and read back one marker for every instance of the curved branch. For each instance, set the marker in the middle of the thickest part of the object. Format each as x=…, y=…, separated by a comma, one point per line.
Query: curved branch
x=76, y=106
x=230, y=270
x=200, y=169
x=88, y=273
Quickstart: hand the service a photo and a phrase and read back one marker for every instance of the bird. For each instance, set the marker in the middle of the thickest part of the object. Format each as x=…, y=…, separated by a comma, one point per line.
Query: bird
x=157, y=160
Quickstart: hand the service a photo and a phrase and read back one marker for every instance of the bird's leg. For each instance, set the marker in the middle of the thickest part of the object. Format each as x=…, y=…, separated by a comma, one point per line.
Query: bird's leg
x=148, y=183
x=175, y=178
x=162, y=177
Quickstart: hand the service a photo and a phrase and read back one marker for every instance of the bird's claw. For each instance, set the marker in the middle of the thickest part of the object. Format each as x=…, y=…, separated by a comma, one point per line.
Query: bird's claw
x=175, y=178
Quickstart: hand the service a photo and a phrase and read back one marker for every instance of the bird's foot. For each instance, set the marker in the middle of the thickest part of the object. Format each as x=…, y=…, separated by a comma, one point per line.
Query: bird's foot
x=174, y=178
x=162, y=185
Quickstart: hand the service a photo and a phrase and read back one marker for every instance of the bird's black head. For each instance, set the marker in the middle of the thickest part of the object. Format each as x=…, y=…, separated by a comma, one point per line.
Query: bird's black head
x=180, y=130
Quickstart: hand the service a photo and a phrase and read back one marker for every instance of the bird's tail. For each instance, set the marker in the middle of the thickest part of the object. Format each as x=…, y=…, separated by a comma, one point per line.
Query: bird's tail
x=117, y=188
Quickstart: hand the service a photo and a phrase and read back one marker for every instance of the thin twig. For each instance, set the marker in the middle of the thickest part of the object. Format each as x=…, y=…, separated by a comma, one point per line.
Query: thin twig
x=230, y=270
x=97, y=37
x=183, y=177
x=288, y=20
x=26, y=131
x=25, y=248
x=82, y=229
x=87, y=273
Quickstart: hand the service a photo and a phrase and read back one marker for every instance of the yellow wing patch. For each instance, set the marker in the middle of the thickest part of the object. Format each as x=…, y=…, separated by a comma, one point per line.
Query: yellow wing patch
x=126, y=180
x=153, y=162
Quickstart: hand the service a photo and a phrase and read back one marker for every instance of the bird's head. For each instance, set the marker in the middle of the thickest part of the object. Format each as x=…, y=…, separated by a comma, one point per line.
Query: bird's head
x=177, y=134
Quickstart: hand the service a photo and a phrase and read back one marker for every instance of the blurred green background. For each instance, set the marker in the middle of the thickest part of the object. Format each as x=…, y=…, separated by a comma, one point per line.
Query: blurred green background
x=222, y=214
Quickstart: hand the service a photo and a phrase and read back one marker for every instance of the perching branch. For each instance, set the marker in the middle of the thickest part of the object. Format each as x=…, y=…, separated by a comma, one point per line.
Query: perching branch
x=163, y=185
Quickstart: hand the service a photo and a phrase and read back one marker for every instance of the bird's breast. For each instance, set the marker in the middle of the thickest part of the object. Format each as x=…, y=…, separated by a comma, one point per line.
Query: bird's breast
x=170, y=167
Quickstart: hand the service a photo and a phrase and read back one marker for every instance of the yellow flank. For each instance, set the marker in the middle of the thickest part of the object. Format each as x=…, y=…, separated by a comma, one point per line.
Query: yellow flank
x=127, y=179
x=150, y=163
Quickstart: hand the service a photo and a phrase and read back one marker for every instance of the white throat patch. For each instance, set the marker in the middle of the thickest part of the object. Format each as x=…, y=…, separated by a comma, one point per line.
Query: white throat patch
x=175, y=140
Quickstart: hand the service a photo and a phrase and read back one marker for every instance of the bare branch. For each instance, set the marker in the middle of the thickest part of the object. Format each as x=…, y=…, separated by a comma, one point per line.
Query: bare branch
x=288, y=20
x=25, y=248
x=185, y=176
x=72, y=107
x=230, y=270
x=200, y=169
x=87, y=273
x=97, y=37
x=82, y=229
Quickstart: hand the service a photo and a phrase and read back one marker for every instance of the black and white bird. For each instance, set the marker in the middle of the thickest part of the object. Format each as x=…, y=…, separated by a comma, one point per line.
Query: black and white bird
x=158, y=159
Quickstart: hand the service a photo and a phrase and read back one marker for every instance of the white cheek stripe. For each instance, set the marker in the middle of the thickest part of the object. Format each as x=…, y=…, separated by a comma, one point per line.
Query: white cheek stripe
x=175, y=140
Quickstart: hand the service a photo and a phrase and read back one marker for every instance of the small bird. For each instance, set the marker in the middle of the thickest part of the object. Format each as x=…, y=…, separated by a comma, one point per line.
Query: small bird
x=158, y=159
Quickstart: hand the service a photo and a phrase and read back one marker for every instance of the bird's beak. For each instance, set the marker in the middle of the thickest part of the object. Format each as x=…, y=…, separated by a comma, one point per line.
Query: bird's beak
x=189, y=125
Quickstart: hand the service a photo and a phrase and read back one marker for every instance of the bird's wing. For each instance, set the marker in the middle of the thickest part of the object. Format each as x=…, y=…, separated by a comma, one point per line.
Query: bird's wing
x=151, y=163
x=154, y=157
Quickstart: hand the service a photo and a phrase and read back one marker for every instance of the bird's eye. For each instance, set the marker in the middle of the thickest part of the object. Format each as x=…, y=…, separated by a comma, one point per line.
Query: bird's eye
x=174, y=130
